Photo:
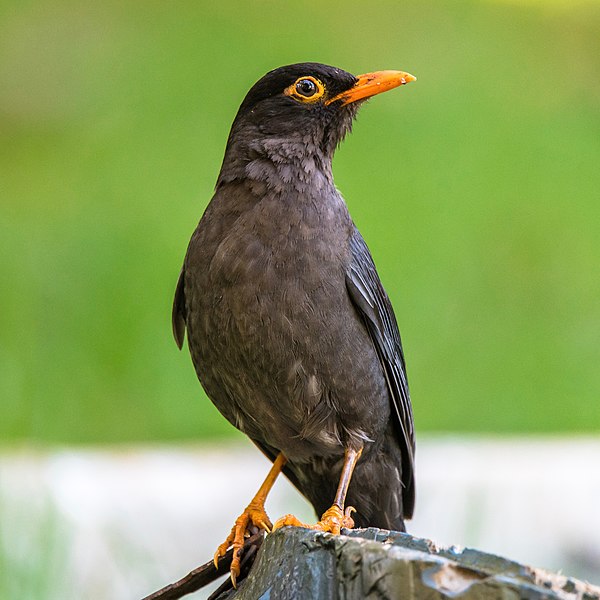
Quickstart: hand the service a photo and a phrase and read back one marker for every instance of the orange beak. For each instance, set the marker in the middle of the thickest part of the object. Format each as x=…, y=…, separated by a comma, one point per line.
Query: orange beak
x=371, y=84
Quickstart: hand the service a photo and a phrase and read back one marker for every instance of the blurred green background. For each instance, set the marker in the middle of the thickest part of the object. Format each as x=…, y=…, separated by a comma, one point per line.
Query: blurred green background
x=477, y=189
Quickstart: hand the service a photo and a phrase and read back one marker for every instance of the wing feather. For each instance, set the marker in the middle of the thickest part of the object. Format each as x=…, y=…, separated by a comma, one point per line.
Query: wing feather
x=178, y=314
x=373, y=304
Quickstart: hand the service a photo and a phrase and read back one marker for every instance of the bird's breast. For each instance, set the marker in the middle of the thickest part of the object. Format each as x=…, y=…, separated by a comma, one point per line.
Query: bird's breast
x=275, y=334
x=278, y=275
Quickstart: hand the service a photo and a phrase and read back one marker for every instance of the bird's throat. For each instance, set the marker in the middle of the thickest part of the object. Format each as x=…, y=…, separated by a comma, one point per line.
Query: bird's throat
x=279, y=165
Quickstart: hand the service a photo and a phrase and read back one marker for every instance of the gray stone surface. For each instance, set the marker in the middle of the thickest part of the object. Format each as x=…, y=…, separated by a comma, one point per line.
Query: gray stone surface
x=295, y=564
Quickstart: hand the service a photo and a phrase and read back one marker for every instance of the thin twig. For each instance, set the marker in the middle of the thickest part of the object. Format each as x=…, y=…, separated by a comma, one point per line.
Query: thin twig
x=245, y=566
x=207, y=573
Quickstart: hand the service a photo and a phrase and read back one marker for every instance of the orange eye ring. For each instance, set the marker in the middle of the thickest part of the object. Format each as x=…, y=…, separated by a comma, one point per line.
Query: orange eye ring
x=306, y=89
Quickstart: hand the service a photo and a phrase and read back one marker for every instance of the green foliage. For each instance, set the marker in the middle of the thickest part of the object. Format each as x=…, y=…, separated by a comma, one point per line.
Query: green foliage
x=476, y=188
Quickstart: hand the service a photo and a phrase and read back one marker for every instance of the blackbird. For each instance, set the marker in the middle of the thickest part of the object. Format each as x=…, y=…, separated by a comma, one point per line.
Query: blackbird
x=290, y=330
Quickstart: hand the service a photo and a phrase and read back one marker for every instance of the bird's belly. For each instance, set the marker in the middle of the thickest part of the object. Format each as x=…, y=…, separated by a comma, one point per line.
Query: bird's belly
x=282, y=353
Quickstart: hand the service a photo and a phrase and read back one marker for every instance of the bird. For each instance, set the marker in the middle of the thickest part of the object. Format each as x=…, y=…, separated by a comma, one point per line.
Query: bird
x=290, y=330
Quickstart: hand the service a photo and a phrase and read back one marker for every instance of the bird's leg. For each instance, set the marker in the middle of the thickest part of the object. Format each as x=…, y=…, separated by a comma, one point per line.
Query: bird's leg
x=253, y=515
x=335, y=517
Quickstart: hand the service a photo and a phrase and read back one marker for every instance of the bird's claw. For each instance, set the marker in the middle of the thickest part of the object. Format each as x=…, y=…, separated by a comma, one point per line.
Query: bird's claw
x=335, y=518
x=253, y=516
x=332, y=521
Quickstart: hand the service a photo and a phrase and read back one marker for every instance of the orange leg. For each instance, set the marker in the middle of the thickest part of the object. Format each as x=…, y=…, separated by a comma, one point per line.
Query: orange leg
x=336, y=517
x=253, y=515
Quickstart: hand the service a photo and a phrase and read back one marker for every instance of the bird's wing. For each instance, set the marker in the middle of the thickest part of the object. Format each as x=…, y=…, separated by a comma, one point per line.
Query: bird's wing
x=178, y=314
x=373, y=304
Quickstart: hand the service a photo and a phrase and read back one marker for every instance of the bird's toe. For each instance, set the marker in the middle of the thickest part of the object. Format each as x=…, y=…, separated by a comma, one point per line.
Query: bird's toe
x=332, y=521
x=254, y=516
x=334, y=518
x=289, y=520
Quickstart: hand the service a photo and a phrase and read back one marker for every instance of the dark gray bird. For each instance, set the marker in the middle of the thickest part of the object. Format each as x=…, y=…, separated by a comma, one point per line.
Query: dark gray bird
x=291, y=333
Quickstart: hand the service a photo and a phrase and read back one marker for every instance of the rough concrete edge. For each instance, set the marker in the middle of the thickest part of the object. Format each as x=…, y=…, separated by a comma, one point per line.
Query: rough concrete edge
x=295, y=561
x=566, y=587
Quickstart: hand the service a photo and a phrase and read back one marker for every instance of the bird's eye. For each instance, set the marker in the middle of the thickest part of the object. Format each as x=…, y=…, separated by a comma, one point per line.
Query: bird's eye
x=306, y=89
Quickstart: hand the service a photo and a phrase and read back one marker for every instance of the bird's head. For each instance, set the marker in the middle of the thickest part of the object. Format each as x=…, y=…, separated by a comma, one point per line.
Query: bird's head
x=301, y=111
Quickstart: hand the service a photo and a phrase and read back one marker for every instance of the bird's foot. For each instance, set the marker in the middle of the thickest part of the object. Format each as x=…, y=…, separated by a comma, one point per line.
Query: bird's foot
x=334, y=518
x=254, y=515
x=332, y=521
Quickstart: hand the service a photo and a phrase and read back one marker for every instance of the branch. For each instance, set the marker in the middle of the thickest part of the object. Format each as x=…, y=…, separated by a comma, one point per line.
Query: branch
x=207, y=573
